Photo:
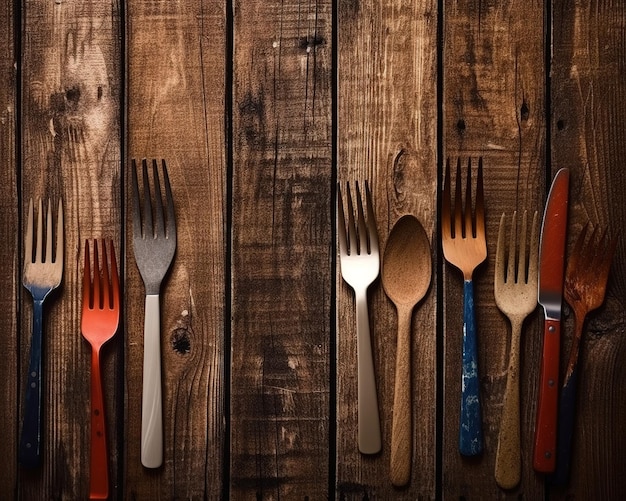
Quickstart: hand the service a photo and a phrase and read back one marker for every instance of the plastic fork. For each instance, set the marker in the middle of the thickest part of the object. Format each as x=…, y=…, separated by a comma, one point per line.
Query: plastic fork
x=586, y=278
x=360, y=264
x=41, y=275
x=99, y=323
x=464, y=246
x=515, y=291
x=154, y=243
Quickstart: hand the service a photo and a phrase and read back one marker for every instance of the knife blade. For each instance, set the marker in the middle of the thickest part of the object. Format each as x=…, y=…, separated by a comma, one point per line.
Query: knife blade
x=550, y=296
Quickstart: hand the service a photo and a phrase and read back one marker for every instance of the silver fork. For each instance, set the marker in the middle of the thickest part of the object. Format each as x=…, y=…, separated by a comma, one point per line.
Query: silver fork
x=515, y=291
x=360, y=264
x=41, y=275
x=154, y=243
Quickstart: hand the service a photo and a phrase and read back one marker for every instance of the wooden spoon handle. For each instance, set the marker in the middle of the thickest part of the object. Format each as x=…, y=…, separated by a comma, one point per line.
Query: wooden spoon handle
x=508, y=468
x=401, y=431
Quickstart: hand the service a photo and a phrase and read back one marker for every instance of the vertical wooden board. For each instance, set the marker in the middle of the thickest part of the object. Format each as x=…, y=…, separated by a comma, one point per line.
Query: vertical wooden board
x=9, y=274
x=175, y=98
x=70, y=150
x=588, y=102
x=387, y=134
x=281, y=235
x=494, y=107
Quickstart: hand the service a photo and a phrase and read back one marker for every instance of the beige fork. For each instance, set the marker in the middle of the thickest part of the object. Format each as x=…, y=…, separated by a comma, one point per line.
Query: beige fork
x=360, y=264
x=515, y=291
x=464, y=246
x=42, y=274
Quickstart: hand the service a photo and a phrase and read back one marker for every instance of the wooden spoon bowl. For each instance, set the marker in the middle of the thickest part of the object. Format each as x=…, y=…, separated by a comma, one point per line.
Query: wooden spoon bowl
x=406, y=276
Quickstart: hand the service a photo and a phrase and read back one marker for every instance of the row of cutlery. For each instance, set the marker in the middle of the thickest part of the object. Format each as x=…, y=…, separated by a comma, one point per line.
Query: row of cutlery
x=154, y=244
x=529, y=271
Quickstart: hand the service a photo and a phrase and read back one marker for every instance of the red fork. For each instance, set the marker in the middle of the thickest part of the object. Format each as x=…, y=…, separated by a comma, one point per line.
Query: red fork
x=99, y=323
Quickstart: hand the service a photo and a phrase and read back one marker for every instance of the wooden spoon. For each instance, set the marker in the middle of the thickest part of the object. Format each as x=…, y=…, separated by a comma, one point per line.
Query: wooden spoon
x=406, y=275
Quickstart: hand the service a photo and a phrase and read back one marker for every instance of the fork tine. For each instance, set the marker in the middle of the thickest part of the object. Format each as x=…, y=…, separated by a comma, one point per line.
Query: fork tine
x=97, y=296
x=572, y=262
x=137, y=229
x=446, y=222
x=480, y=201
x=458, y=211
x=159, y=229
x=362, y=228
x=115, y=281
x=352, y=241
x=169, y=200
x=87, y=300
x=28, y=245
x=58, y=257
x=590, y=249
x=606, y=259
x=500, y=252
x=533, y=256
x=468, y=225
x=39, y=243
x=521, y=262
x=510, y=273
x=341, y=224
x=148, y=229
x=48, y=256
x=107, y=301
x=371, y=221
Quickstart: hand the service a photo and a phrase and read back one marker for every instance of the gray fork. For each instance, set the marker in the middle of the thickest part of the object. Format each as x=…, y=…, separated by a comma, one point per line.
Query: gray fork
x=154, y=243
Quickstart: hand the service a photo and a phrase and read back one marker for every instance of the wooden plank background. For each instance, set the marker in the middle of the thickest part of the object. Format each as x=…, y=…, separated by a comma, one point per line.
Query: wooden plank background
x=260, y=109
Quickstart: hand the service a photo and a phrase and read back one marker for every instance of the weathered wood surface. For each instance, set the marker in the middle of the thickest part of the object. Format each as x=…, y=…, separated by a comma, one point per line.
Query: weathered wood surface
x=259, y=109
x=281, y=261
x=9, y=222
x=175, y=110
x=387, y=135
x=588, y=107
x=70, y=149
x=494, y=106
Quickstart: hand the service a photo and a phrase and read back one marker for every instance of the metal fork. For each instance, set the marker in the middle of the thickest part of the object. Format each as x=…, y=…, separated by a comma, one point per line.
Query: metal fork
x=154, y=243
x=515, y=291
x=586, y=280
x=360, y=264
x=464, y=246
x=41, y=275
x=99, y=323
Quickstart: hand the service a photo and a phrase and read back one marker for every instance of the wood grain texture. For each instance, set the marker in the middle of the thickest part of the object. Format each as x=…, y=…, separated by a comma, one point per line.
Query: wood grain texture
x=70, y=150
x=386, y=123
x=175, y=95
x=494, y=107
x=588, y=91
x=281, y=235
x=9, y=272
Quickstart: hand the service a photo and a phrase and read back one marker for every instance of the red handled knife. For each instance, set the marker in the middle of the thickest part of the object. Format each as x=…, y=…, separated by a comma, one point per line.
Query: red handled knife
x=551, y=269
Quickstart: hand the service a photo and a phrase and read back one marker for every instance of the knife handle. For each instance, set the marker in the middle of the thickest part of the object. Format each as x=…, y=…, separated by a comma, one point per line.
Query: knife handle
x=544, y=460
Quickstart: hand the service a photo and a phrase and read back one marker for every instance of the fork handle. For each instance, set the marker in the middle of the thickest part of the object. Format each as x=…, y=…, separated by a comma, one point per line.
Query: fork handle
x=98, y=458
x=368, y=419
x=470, y=430
x=508, y=468
x=544, y=460
x=30, y=441
x=151, y=404
x=567, y=410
